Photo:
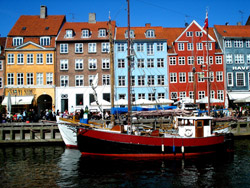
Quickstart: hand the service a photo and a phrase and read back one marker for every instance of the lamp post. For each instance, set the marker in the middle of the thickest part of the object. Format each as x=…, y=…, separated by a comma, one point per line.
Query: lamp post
x=15, y=92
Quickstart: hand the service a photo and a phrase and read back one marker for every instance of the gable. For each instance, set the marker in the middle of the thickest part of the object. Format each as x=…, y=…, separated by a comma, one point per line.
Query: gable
x=30, y=45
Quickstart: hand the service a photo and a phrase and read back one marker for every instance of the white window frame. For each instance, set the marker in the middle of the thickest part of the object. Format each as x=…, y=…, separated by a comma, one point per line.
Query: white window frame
x=17, y=41
x=230, y=82
x=229, y=58
x=219, y=76
x=182, y=77
x=102, y=33
x=78, y=48
x=1, y=64
x=181, y=46
x=79, y=80
x=10, y=79
x=201, y=94
x=64, y=48
x=64, y=81
x=120, y=47
x=39, y=59
x=92, y=47
x=190, y=46
x=30, y=59
x=49, y=58
x=172, y=60
x=121, y=81
x=190, y=60
x=106, y=79
x=121, y=63
x=181, y=60
x=228, y=43
x=49, y=78
x=39, y=78
x=150, y=48
x=141, y=80
x=150, y=33
x=173, y=77
x=44, y=41
x=106, y=63
x=174, y=95
x=105, y=47
x=140, y=47
x=244, y=80
x=160, y=80
x=85, y=33
x=218, y=59
x=199, y=46
x=69, y=33
x=11, y=59
x=20, y=79
x=238, y=43
x=159, y=46
x=79, y=64
x=220, y=95
x=20, y=59
x=239, y=58
x=92, y=64
x=190, y=77
x=29, y=78
x=64, y=64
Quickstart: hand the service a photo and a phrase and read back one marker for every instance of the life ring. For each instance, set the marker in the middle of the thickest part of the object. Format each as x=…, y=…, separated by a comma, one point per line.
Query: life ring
x=188, y=132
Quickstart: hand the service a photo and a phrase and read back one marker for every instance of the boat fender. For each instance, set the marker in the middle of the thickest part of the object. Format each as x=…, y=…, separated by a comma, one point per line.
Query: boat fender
x=162, y=147
x=173, y=148
x=188, y=132
x=182, y=149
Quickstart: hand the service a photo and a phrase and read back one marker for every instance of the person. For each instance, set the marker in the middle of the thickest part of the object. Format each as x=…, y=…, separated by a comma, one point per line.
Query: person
x=24, y=115
x=106, y=115
x=81, y=113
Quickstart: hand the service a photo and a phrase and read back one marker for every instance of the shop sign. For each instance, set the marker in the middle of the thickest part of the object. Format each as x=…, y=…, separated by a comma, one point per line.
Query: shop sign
x=241, y=68
x=19, y=92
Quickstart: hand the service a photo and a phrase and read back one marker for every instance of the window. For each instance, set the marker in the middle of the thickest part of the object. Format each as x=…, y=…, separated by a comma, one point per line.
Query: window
x=1, y=65
x=63, y=48
x=20, y=79
x=201, y=76
x=105, y=64
x=199, y=46
x=39, y=78
x=121, y=63
x=151, y=96
x=1, y=82
x=238, y=44
x=132, y=34
x=17, y=41
x=160, y=62
x=92, y=64
x=174, y=95
x=220, y=95
x=10, y=58
x=191, y=94
x=229, y=79
x=173, y=77
x=190, y=60
x=150, y=49
x=79, y=99
x=39, y=58
x=141, y=80
x=44, y=41
x=85, y=33
x=121, y=80
x=201, y=94
x=105, y=47
x=140, y=63
x=190, y=76
x=140, y=47
x=172, y=60
x=79, y=48
x=239, y=58
x=122, y=96
x=19, y=58
x=30, y=58
x=240, y=79
x=198, y=34
x=212, y=94
x=218, y=59
x=64, y=81
x=141, y=95
x=92, y=47
x=160, y=80
x=182, y=77
x=210, y=59
x=219, y=76
x=159, y=46
x=200, y=60
x=228, y=44
x=30, y=78
x=181, y=60
x=181, y=46
x=79, y=80
x=229, y=58
x=248, y=43
x=211, y=75
x=150, y=33
x=151, y=80
x=161, y=96
x=69, y=33
x=102, y=33
x=10, y=79
x=182, y=94
x=190, y=46
x=132, y=82
x=91, y=78
x=49, y=58
x=64, y=64
x=189, y=33
x=120, y=47
x=49, y=78
x=105, y=79
x=209, y=46
x=78, y=64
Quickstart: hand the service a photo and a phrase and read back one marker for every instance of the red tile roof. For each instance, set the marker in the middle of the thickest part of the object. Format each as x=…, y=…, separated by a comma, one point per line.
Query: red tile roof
x=233, y=30
x=77, y=28
x=36, y=26
x=172, y=34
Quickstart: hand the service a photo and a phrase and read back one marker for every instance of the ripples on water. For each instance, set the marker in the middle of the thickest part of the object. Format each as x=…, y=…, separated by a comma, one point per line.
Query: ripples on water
x=55, y=166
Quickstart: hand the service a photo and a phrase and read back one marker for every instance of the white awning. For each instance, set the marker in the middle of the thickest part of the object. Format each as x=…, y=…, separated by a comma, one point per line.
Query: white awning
x=18, y=100
x=238, y=95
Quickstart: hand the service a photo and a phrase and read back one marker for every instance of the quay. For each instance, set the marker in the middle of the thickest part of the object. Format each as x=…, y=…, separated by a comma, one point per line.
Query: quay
x=29, y=133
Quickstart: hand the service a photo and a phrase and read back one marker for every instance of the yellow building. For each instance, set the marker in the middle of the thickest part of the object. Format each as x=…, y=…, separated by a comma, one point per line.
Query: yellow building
x=30, y=62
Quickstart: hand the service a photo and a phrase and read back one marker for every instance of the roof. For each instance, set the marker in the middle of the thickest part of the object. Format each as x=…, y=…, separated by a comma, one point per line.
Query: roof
x=36, y=26
x=2, y=44
x=77, y=28
x=233, y=30
x=139, y=33
x=172, y=34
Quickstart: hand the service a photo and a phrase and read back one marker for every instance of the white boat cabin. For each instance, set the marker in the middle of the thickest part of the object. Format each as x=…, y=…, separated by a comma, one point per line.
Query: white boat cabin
x=193, y=126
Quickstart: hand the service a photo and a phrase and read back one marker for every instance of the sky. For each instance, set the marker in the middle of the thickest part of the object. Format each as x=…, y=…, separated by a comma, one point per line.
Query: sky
x=166, y=13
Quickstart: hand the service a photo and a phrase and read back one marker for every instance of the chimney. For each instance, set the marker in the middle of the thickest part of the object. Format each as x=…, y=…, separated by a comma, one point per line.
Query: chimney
x=92, y=18
x=148, y=25
x=238, y=23
x=43, y=11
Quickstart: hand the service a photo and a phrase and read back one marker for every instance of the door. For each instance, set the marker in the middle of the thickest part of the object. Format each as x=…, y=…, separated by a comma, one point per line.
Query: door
x=64, y=105
x=199, y=128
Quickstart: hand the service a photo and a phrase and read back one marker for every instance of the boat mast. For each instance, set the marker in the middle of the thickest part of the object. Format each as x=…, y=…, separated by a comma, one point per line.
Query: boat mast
x=194, y=71
x=129, y=68
x=112, y=74
x=208, y=77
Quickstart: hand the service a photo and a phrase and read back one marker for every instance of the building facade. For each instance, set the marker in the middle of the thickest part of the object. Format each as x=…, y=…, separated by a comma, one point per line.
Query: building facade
x=83, y=57
x=30, y=61
x=2, y=66
x=148, y=63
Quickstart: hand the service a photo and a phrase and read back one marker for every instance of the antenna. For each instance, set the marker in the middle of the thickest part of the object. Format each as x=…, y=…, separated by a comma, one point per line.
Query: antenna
x=242, y=13
x=73, y=17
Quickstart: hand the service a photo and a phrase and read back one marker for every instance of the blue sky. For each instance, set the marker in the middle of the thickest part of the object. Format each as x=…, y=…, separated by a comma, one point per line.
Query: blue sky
x=164, y=13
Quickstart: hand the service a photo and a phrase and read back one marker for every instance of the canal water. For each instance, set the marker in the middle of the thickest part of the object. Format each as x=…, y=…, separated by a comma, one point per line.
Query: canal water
x=55, y=166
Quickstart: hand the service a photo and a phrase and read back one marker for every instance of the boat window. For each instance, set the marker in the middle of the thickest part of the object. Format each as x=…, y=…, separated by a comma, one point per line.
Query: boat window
x=199, y=123
x=206, y=122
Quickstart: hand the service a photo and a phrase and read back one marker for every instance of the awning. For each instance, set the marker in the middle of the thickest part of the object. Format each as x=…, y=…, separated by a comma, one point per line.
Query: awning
x=238, y=95
x=18, y=100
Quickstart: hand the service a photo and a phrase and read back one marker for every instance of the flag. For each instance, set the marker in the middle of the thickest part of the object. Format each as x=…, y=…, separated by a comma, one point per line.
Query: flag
x=206, y=22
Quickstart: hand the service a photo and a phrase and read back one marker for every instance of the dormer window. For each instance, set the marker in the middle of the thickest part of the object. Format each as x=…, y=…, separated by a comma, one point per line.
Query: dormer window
x=69, y=33
x=150, y=33
x=17, y=41
x=85, y=33
x=198, y=34
x=102, y=33
x=189, y=33
x=44, y=41
x=132, y=34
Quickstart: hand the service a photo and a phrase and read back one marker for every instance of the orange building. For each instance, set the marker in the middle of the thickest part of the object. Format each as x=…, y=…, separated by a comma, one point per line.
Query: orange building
x=30, y=62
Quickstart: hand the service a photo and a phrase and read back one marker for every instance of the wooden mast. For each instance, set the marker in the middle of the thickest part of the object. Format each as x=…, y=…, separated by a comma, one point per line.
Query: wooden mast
x=129, y=68
x=208, y=72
